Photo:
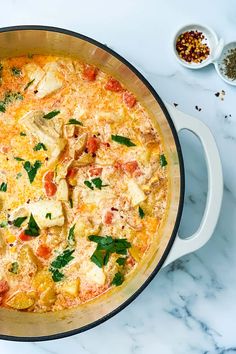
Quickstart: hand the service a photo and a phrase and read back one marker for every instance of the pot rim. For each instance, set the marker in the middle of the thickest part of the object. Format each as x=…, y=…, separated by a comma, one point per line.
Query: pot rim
x=182, y=182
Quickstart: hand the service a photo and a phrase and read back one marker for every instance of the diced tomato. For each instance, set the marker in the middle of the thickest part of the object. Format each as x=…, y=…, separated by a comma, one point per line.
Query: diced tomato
x=118, y=165
x=3, y=286
x=50, y=188
x=129, y=99
x=130, y=166
x=72, y=172
x=95, y=171
x=48, y=177
x=130, y=261
x=108, y=217
x=5, y=149
x=43, y=251
x=92, y=144
x=90, y=72
x=24, y=237
x=113, y=85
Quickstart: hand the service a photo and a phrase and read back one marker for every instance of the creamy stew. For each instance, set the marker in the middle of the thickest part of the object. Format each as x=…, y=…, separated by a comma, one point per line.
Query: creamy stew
x=83, y=183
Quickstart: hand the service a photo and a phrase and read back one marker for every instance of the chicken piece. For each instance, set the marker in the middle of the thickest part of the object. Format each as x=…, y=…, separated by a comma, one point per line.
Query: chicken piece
x=77, y=146
x=62, y=190
x=47, y=131
x=50, y=82
x=94, y=274
x=34, y=72
x=136, y=194
x=47, y=207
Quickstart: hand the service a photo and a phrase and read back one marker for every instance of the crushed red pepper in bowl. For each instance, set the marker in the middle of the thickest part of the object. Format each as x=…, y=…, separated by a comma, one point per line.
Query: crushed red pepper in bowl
x=191, y=46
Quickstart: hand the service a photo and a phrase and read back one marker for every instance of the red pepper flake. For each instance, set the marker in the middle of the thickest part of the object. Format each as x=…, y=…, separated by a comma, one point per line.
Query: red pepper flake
x=191, y=47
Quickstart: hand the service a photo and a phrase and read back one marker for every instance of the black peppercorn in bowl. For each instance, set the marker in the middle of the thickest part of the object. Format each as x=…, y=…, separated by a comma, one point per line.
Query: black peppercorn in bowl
x=196, y=46
x=226, y=64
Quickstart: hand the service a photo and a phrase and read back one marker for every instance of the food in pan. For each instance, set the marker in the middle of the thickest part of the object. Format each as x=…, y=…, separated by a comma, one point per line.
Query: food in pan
x=83, y=183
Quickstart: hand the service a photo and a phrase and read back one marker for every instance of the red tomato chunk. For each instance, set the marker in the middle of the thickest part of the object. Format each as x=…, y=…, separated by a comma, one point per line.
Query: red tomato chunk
x=92, y=144
x=108, y=217
x=113, y=85
x=129, y=99
x=90, y=72
x=3, y=286
x=95, y=171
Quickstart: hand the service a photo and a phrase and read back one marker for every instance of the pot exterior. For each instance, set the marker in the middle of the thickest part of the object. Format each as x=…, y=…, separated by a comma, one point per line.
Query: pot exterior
x=23, y=40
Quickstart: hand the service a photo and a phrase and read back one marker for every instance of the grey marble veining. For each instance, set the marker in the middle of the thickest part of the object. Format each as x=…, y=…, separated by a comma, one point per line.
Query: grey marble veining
x=190, y=307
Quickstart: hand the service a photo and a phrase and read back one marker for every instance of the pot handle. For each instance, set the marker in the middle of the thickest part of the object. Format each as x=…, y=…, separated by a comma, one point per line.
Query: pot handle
x=215, y=186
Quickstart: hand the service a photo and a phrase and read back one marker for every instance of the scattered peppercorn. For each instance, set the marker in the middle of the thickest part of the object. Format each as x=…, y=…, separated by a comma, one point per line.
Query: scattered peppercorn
x=198, y=108
x=175, y=104
x=191, y=47
x=229, y=64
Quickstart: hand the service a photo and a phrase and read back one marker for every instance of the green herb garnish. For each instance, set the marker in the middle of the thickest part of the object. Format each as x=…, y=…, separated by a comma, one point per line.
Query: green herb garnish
x=122, y=140
x=33, y=228
x=118, y=279
x=56, y=275
x=19, y=221
x=71, y=236
x=141, y=212
x=63, y=259
x=74, y=121
x=40, y=146
x=105, y=246
x=48, y=216
x=121, y=261
x=3, y=187
x=71, y=203
x=18, y=158
x=3, y=223
x=88, y=184
x=14, y=268
x=16, y=71
x=9, y=98
x=51, y=114
x=28, y=85
x=19, y=174
x=163, y=161
x=22, y=134
x=32, y=169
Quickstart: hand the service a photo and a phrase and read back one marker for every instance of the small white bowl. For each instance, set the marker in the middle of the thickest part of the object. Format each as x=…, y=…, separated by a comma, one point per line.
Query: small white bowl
x=219, y=64
x=210, y=38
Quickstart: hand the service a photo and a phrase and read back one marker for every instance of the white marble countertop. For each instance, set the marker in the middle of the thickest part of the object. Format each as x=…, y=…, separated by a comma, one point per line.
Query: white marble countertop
x=190, y=306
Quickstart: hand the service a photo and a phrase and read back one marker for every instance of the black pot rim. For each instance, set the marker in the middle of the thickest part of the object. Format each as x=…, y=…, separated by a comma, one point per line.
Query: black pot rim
x=182, y=183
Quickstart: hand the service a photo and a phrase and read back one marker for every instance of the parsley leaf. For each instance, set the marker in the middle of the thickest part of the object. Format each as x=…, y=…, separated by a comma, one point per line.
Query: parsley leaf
x=33, y=228
x=3, y=187
x=88, y=184
x=63, y=259
x=122, y=140
x=48, y=216
x=71, y=236
x=40, y=146
x=16, y=71
x=118, y=279
x=98, y=257
x=163, y=161
x=28, y=85
x=32, y=169
x=56, y=275
x=98, y=183
x=74, y=121
x=3, y=223
x=18, y=158
x=14, y=268
x=9, y=98
x=141, y=212
x=19, y=221
x=121, y=261
x=51, y=114
x=19, y=174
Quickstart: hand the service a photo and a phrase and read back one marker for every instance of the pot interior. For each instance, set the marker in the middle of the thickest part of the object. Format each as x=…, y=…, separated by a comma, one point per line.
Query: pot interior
x=50, y=41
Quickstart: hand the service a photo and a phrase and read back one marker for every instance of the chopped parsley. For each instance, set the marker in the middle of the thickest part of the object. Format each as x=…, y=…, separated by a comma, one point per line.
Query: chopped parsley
x=56, y=275
x=163, y=161
x=141, y=212
x=22, y=134
x=19, y=221
x=28, y=84
x=105, y=246
x=121, y=261
x=97, y=182
x=61, y=261
x=40, y=146
x=14, y=268
x=71, y=236
x=18, y=158
x=3, y=187
x=19, y=174
x=9, y=98
x=32, y=169
x=16, y=71
x=122, y=140
x=118, y=279
x=48, y=216
x=51, y=114
x=74, y=121
x=33, y=228
x=3, y=223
